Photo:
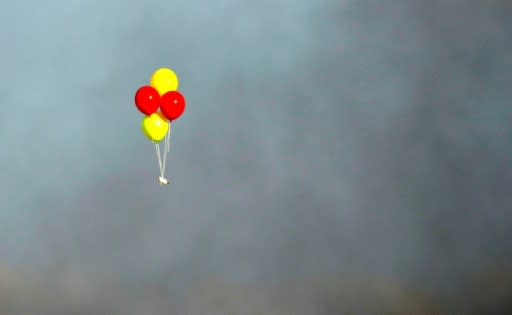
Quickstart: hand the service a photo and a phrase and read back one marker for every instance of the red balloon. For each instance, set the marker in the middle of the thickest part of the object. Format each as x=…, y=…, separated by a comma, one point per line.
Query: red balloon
x=172, y=105
x=147, y=100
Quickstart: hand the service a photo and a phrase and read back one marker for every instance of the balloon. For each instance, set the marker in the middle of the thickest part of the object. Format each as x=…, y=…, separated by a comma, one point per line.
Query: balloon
x=164, y=80
x=172, y=105
x=147, y=100
x=155, y=126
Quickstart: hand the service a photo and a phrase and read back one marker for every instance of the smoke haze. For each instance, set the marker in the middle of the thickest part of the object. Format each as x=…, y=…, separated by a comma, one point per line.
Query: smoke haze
x=320, y=137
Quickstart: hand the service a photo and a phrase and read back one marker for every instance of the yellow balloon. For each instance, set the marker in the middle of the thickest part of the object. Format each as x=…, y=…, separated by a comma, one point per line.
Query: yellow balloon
x=155, y=126
x=164, y=80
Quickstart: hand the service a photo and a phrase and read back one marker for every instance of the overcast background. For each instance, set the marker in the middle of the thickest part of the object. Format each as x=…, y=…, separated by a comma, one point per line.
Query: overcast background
x=320, y=137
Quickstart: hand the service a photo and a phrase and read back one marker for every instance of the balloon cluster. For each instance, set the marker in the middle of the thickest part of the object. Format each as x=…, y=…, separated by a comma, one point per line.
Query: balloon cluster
x=161, y=93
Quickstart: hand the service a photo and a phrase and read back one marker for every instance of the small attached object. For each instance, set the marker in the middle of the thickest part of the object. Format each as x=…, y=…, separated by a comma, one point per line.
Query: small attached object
x=163, y=181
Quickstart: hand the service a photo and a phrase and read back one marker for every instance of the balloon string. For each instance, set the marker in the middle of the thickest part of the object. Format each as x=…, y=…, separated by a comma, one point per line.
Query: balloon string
x=161, y=164
x=166, y=149
x=157, y=149
x=169, y=137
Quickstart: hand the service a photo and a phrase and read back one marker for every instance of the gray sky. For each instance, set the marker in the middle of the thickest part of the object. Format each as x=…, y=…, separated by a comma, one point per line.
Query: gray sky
x=320, y=136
